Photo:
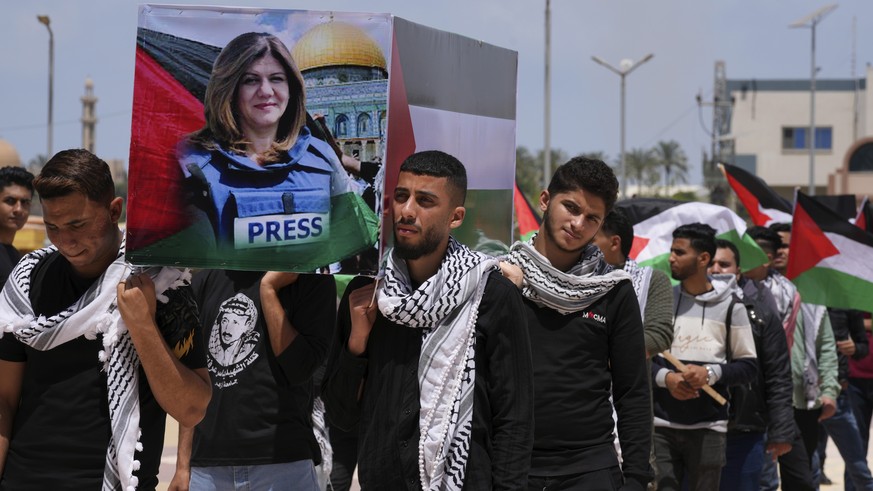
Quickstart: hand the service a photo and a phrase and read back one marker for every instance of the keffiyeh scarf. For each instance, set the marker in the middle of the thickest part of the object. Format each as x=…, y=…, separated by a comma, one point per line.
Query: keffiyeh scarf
x=585, y=283
x=641, y=276
x=445, y=308
x=812, y=317
x=95, y=313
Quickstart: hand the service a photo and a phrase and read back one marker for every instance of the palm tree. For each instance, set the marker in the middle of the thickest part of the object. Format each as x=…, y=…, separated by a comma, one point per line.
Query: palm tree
x=639, y=164
x=670, y=156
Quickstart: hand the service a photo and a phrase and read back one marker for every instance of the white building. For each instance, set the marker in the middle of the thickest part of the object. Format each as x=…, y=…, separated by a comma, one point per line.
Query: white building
x=770, y=129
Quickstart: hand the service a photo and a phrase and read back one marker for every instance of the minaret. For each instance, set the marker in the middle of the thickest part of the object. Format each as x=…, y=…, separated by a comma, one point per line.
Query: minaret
x=89, y=120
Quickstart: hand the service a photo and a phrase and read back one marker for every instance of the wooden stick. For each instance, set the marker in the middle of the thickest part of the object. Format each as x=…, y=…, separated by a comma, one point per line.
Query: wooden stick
x=683, y=368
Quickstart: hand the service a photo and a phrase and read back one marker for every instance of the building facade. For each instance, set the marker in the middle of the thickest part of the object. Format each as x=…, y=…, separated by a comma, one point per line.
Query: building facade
x=771, y=135
x=346, y=78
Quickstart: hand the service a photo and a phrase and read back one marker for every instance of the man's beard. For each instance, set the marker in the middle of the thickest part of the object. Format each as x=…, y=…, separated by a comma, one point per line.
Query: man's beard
x=431, y=239
x=553, y=236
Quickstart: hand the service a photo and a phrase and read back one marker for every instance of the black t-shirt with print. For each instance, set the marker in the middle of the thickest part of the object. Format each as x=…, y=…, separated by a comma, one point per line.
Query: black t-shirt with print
x=260, y=412
x=61, y=429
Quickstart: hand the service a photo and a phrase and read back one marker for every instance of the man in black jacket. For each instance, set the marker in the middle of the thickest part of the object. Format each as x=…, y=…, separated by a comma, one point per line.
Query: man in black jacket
x=437, y=371
x=761, y=411
x=588, y=342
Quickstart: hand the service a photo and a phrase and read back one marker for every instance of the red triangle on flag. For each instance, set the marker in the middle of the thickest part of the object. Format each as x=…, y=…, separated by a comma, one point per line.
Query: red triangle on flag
x=750, y=201
x=639, y=244
x=528, y=220
x=809, y=244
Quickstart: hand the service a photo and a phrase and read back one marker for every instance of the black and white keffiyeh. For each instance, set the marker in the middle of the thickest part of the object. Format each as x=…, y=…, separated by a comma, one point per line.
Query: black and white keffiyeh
x=641, y=276
x=585, y=283
x=95, y=313
x=445, y=307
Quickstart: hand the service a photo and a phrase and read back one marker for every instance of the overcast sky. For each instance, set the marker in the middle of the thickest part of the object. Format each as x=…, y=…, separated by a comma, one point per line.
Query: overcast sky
x=96, y=39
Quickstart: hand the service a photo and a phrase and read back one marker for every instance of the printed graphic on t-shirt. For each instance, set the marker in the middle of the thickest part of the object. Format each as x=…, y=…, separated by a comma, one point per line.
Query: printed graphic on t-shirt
x=233, y=340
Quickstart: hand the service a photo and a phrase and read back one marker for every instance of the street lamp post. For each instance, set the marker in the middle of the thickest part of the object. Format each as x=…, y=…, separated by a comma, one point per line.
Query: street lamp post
x=626, y=66
x=547, y=103
x=811, y=21
x=44, y=19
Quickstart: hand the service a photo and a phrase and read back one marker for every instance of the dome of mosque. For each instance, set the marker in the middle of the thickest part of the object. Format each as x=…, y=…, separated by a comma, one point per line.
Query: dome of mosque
x=337, y=44
x=8, y=155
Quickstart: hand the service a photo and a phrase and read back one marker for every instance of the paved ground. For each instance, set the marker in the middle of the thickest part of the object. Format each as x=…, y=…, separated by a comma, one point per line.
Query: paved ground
x=833, y=463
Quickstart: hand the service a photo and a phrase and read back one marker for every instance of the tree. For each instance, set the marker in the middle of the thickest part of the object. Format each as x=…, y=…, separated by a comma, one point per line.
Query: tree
x=596, y=155
x=528, y=172
x=670, y=157
x=640, y=165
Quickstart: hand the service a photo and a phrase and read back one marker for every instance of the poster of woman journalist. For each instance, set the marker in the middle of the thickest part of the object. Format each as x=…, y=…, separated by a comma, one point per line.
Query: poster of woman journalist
x=257, y=139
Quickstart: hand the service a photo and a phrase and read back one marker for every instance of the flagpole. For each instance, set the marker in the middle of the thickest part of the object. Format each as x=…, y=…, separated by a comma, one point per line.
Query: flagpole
x=812, y=21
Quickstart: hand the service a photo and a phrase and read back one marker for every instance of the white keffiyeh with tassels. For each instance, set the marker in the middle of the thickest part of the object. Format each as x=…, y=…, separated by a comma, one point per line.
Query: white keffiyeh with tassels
x=445, y=307
x=95, y=313
x=566, y=292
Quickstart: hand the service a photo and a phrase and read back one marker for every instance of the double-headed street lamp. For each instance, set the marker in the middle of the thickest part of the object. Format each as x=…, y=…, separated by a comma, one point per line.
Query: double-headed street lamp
x=811, y=21
x=44, y=19
x=626, y=66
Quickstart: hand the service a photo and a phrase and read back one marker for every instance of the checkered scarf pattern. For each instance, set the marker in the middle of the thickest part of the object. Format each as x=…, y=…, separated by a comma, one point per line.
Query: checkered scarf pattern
x=445, y=308
x=585, y=283
x=95, y=313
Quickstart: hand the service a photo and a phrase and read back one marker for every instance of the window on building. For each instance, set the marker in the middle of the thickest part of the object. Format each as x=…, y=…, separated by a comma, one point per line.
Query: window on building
x=798, y=138
x=363, y=124
x=342, y=126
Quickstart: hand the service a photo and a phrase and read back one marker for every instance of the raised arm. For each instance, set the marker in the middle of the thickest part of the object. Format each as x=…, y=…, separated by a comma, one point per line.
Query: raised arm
x=300, y=320
x=182, y=392
x=347, y=362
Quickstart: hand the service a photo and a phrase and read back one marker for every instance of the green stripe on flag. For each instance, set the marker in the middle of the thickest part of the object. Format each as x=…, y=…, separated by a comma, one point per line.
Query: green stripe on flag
x=661, y=262
x=825, y=286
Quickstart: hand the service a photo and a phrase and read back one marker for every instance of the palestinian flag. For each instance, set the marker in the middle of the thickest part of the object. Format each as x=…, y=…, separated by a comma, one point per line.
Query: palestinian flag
x=864, y=219
x=528, y=219
x=654, y=220
x=456, y=94
x=764, y=205
x=830, y=259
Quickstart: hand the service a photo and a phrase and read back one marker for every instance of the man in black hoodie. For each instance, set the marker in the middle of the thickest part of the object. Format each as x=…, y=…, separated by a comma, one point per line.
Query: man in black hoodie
x=760, y=412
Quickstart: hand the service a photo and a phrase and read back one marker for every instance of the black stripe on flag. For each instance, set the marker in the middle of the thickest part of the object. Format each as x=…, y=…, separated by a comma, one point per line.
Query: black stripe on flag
x=767, y=198
x=189, y=62
x=639, y=209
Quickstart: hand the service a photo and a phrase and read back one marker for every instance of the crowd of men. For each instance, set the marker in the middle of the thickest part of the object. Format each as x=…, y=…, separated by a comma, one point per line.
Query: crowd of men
x=562, y=365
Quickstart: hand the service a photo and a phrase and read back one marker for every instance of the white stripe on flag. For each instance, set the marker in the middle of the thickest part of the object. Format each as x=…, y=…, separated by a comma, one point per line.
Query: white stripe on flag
x=659, y=228
x=853, y=258
x=776, y=216
x=486, y=146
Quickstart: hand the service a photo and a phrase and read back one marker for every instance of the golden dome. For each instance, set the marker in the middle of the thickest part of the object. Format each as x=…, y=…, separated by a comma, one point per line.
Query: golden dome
x=337, y=43
x=8, y=155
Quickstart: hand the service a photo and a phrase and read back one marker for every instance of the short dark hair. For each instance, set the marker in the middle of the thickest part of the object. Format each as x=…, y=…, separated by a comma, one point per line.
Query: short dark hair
x=780, y=227
x=767, y=239
x=75, y=171
x=16, y=176
x=702, y=236
x=591, y=175
x=617, y=223
x=726, y=244
x=435, y=163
